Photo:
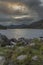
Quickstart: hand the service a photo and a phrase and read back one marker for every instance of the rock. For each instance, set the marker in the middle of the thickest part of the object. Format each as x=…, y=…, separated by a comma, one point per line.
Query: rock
x=2, y=60
x=21, y=47
x=14, y=43
x=11, y=62
x=20, y=39
x=3, y=37
x=35, y=58
x=32, y=44
x=41, y=38
x=9, y=46
x=13, y=40
x=4, y=40
x=21, y=57
x=23, y=41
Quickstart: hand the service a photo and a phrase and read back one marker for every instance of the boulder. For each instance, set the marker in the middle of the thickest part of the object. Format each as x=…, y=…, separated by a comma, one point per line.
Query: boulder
x=23, y=41
x=11, y=62
x=13, y=43
x=2, y=60
x=13, y=40
x=21, y=57
x=32, y=44
x=35, y=58
x=9, y=46
x=4, y=40
x=20, y=39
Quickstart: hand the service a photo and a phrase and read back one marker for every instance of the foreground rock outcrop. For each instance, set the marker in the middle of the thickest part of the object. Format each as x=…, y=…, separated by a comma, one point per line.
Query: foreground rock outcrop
x=4, y=40
x=2, y=60
x=21, y=51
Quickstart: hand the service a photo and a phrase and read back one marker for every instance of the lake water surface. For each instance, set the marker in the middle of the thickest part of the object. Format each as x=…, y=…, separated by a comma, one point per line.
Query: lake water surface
x=27, y=33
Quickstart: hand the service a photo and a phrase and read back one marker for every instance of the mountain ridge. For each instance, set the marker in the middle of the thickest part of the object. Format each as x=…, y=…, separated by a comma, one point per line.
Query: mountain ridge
x=34, y=25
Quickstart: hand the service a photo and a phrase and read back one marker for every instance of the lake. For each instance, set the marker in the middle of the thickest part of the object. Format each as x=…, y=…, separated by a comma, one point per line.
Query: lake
x=26, y=33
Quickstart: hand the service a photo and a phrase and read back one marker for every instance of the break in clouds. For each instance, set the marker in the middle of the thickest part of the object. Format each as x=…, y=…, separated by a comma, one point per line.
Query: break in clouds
x=21, y=9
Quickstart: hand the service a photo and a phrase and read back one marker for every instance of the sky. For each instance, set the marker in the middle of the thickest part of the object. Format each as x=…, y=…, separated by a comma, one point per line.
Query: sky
x=20, y=11
x=41, y=2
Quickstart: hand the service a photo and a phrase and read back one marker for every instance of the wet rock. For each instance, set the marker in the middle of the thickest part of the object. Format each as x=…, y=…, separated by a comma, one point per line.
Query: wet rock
x=23, y=41
x=13, y=40
x=2, y=60
x=41, y=38
x=21, y=57
x=20, y=39
x=3, y=37
x=4, y=40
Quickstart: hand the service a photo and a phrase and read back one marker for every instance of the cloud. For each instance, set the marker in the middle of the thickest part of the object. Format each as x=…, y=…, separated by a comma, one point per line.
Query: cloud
x=32, y=8
x=13, y=8
x=41, y=2
x=21, y=17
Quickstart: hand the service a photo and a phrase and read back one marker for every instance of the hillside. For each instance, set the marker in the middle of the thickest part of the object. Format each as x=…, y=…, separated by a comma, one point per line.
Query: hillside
x=36, y=25
x=3, y=27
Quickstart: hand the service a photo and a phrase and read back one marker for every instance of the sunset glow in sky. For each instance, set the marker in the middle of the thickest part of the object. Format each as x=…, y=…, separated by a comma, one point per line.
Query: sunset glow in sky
x=14, y=7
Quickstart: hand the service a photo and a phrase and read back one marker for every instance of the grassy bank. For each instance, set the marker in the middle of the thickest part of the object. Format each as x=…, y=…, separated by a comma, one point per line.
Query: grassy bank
x=33, y=53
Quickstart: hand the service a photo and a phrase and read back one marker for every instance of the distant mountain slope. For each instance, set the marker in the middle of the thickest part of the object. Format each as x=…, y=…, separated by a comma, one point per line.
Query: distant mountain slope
x=17, y=26
x=3, y=27
x=36, y=25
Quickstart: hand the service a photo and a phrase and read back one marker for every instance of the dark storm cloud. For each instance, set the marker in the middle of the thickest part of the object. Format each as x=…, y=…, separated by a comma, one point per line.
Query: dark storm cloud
x=33, y=4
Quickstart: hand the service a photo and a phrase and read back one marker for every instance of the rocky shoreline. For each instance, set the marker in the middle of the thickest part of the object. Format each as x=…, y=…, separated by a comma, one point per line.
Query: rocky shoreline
x=4, y=41
x=21, y=51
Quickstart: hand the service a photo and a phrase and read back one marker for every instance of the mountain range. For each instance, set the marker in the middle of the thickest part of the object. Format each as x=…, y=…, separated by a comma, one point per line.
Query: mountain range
x=34, y=25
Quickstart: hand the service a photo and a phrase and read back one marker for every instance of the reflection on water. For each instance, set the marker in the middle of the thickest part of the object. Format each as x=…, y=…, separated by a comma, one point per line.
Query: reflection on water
x=27, y=33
